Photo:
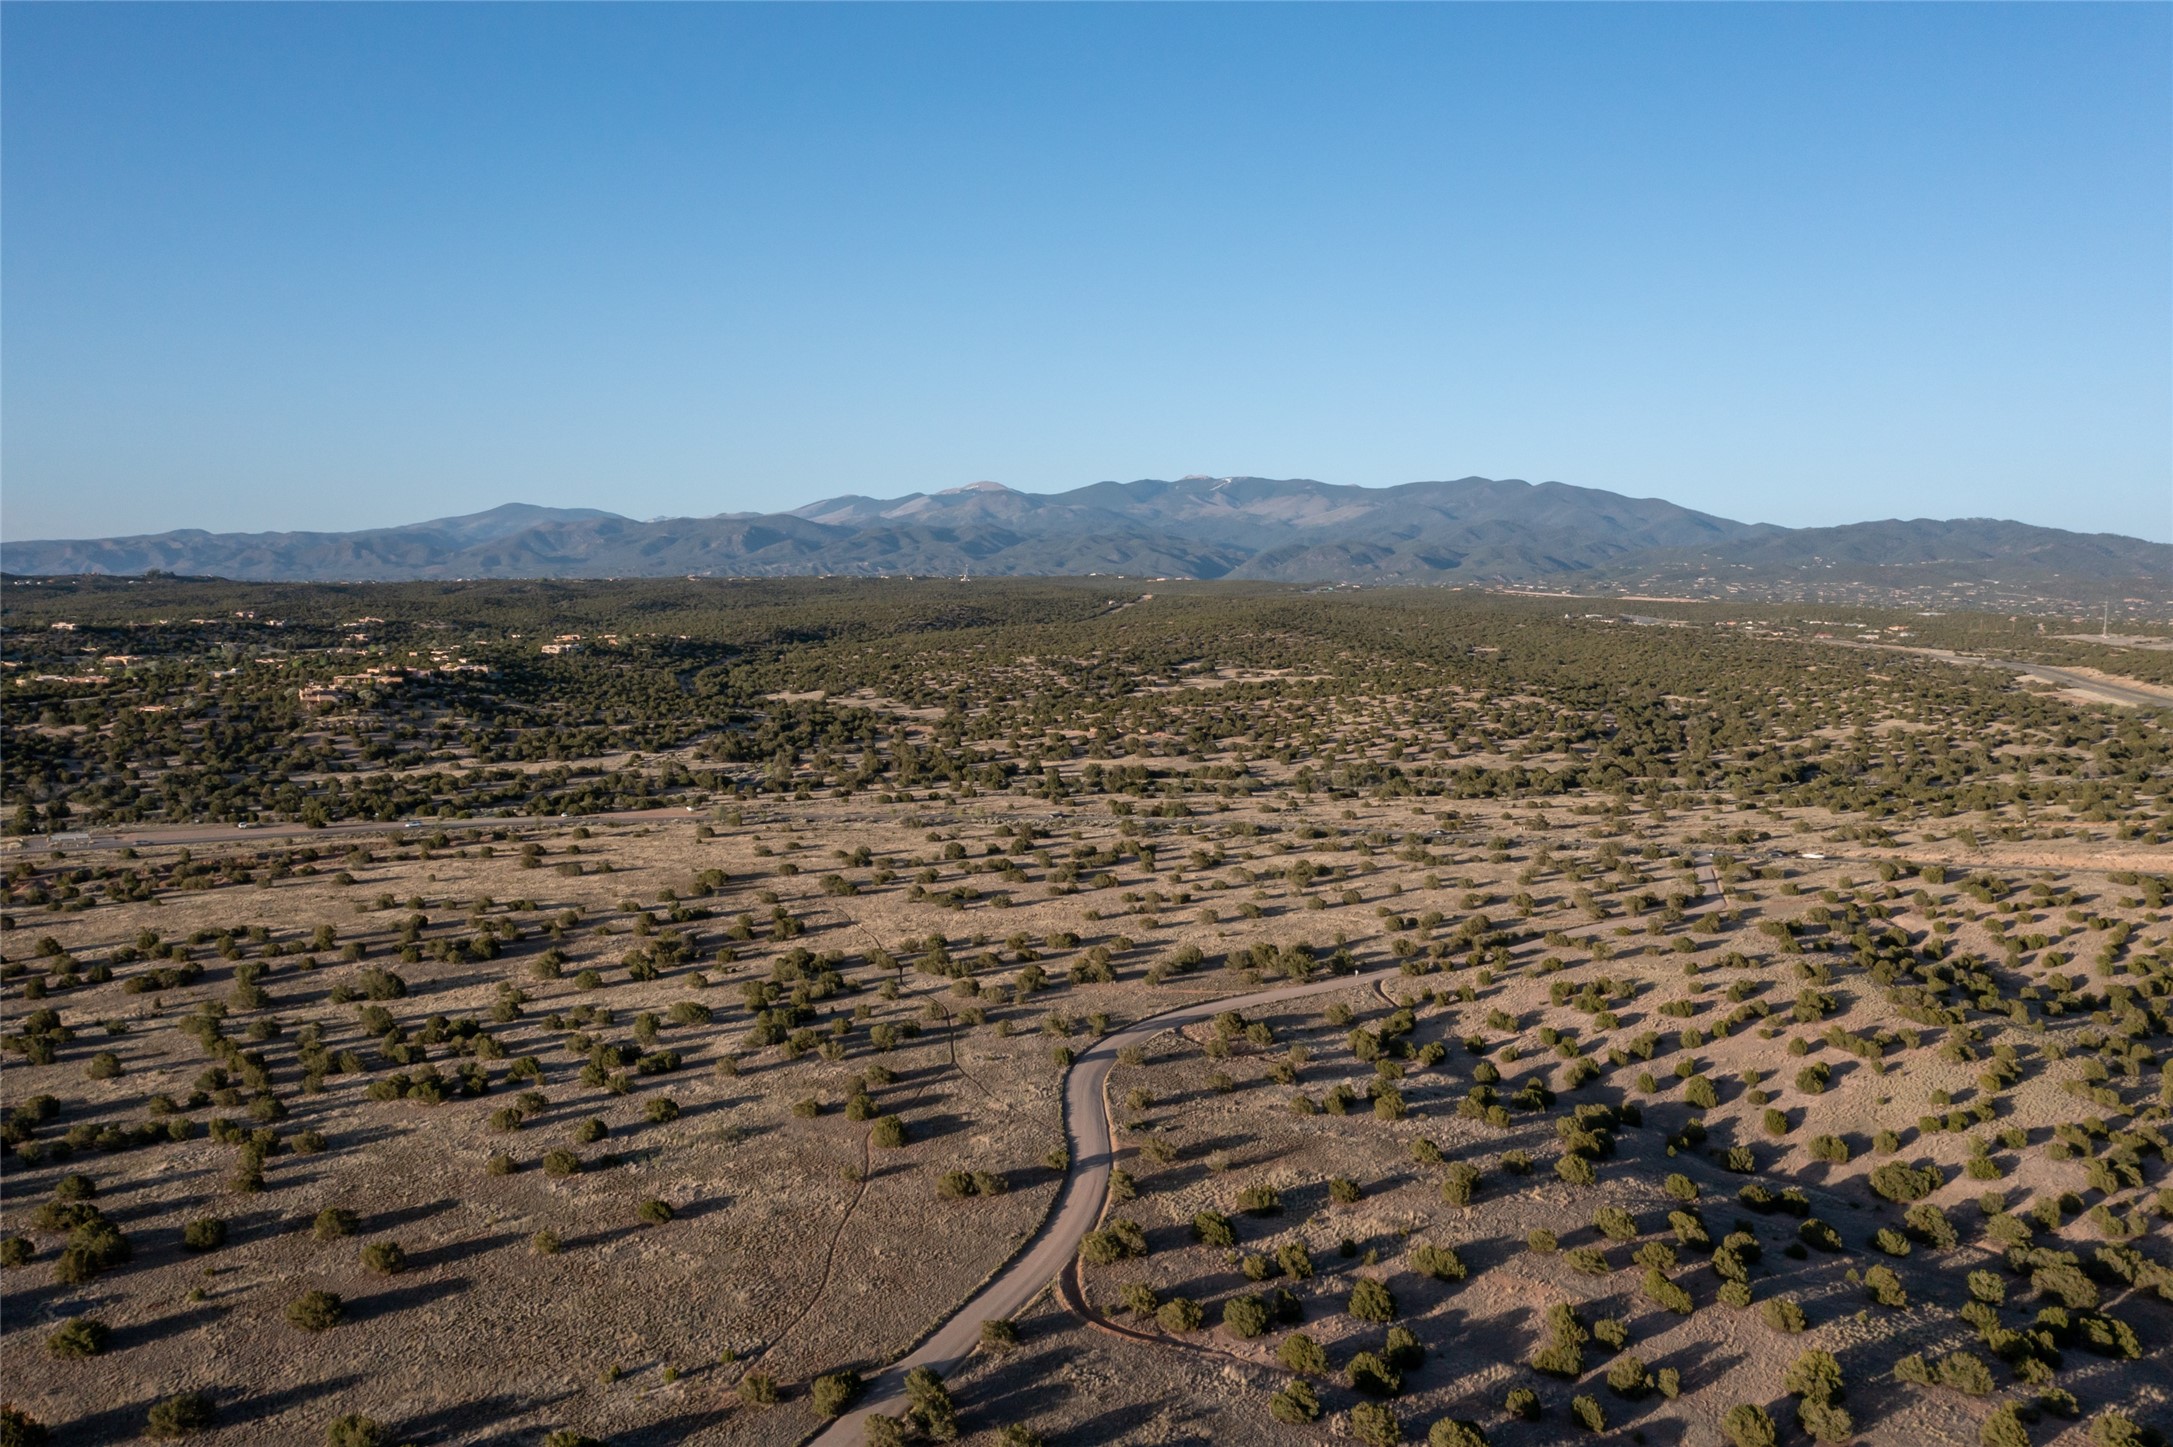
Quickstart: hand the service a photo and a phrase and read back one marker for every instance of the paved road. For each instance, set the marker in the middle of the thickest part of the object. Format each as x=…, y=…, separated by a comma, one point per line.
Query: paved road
x=1079, y=1204
x=2135, y=695
x=2130, y=694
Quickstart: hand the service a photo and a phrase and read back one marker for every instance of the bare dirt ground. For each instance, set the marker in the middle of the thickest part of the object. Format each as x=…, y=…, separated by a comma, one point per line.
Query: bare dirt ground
x=795, y=1245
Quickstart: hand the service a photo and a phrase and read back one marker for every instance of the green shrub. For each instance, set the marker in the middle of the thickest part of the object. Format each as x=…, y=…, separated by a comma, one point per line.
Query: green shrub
x=832, y=1392
x=1179, y=1315
x=1748, y=1425
x=889, y=1132
x=1245, y=1316
x=1372, y=1301
x=2004, y=1428
x=1903, y=1183
x=179, y=1416
x=315, y=1311
x=1830, y=1148
x=96, y=1245
x=1454, y=1432
x=84, y=1336
x=354, y=1430
x=1815, y=1375
x=1296, y=1262
x=1929, y=1224
x=17, y=1251
x=1295, y=1402
x=1439, y=1262
x=1966, y=1373
x=1825, y=1422
x=561, y=1163
x=1300, y=1353
x=653, y=1213
x=1562, y=1355
x=930, y=1410
x=334, y=1222
x=757, y=1389
x=1575, y=1170
x=1212, y=1228
x=205, y=1233
x=1369, y=1373
x=19, y=1429
x=386, y=1258
x=1373, y=1424
x=1783, y=1315
x=1627, y=1377
x=2114, y=1428
x=1588, y=1412
x=1667, y=1294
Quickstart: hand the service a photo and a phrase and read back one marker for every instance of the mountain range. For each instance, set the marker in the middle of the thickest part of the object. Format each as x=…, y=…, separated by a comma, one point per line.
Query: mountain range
x=1472, y=530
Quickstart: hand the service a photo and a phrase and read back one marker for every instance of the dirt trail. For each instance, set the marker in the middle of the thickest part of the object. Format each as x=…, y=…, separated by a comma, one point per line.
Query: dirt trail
x=1079, y=1205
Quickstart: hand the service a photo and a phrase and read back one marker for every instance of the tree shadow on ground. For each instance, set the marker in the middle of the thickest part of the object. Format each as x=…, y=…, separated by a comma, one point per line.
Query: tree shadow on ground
x=403, y=1298
x=381, y=1222
x=597, y=1239
x=270, y=1404
x=453, y=1252
x=935, y=1127
x=145, y=1332
x=468, y=1419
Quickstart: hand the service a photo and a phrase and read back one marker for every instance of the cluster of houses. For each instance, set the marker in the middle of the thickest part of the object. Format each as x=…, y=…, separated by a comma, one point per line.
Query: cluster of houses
x=344, y=687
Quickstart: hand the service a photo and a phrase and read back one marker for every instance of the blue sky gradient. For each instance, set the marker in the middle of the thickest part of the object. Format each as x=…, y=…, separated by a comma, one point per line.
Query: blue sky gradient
x=340, y=266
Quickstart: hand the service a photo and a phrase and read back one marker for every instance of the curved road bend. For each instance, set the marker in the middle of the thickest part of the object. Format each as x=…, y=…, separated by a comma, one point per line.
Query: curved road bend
x=1078, y=1207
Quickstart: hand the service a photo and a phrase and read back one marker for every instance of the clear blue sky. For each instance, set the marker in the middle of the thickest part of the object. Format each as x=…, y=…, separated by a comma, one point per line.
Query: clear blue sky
x=283, y=266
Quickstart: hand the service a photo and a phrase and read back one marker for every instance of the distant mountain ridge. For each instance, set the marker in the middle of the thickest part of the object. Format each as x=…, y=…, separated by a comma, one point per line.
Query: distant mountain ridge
x=1470, y=530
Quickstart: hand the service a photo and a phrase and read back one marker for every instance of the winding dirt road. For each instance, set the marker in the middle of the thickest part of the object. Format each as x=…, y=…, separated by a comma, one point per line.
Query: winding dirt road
x=1079, y=1206
x=1090, y=1135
